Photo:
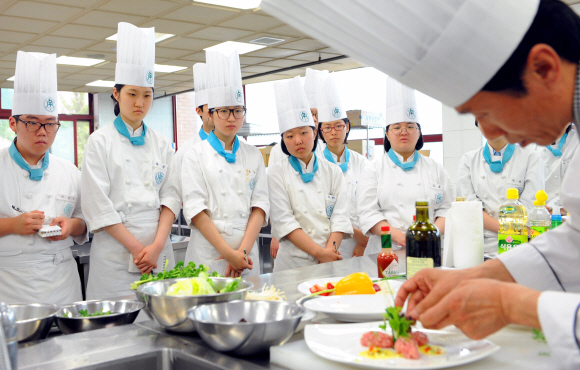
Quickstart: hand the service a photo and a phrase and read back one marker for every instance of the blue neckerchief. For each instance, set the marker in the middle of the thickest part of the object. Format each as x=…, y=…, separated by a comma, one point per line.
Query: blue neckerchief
x=497, y=167
x=33, y=173
x=407, y=166
x=215, y=143
x=122, y=129
x=202, y=134
x=306, y=177
x=558, y=152
x=343, y=166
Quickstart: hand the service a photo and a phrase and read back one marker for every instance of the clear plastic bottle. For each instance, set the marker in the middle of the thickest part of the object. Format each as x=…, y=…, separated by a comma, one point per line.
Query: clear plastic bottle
x=513, y=220
x=540, y=219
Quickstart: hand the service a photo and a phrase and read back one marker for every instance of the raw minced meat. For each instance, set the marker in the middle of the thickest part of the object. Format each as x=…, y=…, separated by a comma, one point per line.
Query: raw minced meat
x=408, y=347
x=376, y=339
x=421, y=338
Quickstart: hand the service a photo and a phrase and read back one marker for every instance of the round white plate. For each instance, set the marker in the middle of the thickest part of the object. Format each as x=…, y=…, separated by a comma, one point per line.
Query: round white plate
x=352, y=308
x=304, y=287
x=341, y=343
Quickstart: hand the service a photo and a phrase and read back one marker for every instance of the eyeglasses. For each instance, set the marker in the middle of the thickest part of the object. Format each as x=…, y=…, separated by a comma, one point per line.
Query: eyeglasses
x=397, y=129
x=336, y=128
x=224, y=113
x=315, y=115
x=32, y=126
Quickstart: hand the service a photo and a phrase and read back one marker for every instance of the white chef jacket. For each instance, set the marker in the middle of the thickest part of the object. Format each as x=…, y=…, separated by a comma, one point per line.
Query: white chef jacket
x=125, y=183
x=276, y=154
x=183, y=149
x=387, y=192
x=476, y=182
x=299, y=205
x=35, y=269
x=352, y=177
x=556, y=167
x=227, y=192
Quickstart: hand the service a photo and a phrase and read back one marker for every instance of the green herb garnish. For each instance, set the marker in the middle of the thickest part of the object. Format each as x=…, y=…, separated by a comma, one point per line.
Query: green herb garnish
x=85, y=313
x=400, y=325
x=538, y=335
x=179, y=271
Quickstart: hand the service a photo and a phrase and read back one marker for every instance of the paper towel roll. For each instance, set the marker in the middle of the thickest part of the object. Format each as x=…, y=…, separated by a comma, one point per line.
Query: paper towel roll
x=467, y=234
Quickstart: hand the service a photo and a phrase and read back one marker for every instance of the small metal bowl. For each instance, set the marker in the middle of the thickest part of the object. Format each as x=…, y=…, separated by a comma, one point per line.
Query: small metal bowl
x=33, y=320
x=171, y=311
x=267, y=323
x=122, y=312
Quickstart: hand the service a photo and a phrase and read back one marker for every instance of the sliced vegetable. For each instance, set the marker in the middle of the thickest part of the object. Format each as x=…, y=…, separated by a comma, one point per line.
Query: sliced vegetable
x=193, y=286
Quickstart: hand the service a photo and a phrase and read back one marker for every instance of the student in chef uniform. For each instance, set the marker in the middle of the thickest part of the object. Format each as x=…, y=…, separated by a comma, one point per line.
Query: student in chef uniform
x=313, y=83
x=225, y=194
x=310, y=210
x=131, y=187
x=391, y=184
x=45, y=187
x=333, y=130
x=527, y=88
x=486, y=173
x=557, y=158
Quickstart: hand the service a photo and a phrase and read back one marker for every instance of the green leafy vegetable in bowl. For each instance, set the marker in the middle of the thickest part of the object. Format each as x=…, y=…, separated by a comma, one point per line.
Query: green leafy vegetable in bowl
x=179, y=271
x=85, y=313
x=201, y=285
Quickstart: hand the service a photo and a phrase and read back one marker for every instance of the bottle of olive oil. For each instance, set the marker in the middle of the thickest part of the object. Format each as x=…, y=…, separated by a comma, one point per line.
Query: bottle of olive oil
x=513, y=221
x=423, y=242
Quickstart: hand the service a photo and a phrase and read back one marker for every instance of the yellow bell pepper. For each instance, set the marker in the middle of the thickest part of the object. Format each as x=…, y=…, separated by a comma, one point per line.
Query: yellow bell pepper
x=357, y=283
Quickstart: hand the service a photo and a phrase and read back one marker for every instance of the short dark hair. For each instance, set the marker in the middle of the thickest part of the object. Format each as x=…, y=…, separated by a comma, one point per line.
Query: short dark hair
x=555, y=24
x=346, y=122
x=418, y=146
x=118, y=87
x=285, y=150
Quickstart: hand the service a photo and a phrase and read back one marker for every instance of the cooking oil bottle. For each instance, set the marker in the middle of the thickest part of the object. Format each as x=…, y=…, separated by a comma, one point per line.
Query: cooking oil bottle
x=540, y=219
x=513, y=220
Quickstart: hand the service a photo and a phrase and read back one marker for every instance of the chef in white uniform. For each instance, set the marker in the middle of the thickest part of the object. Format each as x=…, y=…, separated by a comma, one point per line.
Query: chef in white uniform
x=200, y=87
x=45, y=187
x=557, y=158
x=131, y=186
x=486, y=173
x=225, y=193
x=531, y=48
x=390, y=185
x=333, y=130
x=310, y=206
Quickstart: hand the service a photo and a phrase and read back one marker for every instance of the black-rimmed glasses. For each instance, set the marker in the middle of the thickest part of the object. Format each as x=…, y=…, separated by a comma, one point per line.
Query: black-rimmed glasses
x=225, y=113
x=33, y=126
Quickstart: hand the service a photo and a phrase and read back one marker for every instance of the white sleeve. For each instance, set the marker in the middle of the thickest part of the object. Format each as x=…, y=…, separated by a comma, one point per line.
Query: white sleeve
x=282, y=214
x=169, y=194
x=560, y=319
x=367, y=201
x=340, y=218
x=464, y=181
x=77, y=212
x=448, y=193
x=534, y=180
x=97, y=208
x=260, y=192
x=193, y=186
x=276, y=155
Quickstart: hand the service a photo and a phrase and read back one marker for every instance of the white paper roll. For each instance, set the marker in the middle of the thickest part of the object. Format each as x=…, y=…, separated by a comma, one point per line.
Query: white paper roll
x=467, y=234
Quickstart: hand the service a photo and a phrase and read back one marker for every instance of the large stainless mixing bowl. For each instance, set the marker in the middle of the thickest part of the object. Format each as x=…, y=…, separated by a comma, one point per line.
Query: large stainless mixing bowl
x=123, y=312
x=33, y=320
x=171, y=311
x=264, y=324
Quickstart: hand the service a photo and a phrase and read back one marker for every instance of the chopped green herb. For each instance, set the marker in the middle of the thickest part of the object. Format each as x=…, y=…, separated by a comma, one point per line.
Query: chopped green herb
x=538, y=335
x=400, y=325
x=85, y=313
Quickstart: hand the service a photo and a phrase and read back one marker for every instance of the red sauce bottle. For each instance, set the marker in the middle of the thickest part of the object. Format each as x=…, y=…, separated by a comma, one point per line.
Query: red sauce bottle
x=387, y=261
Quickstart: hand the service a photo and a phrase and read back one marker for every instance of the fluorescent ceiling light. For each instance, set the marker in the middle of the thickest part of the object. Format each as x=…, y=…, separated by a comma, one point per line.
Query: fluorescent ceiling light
x=158, y=37
x=85, y=62
x=168, y=69
x=239, y=4
x=229, y=46
x=102, y=83
x=10, y=79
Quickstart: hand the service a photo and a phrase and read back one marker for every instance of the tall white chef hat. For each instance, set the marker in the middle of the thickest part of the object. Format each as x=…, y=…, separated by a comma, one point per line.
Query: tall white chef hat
x=330, y=108
x=135, y=56
x=224, y=79
x=200, y=83
x=35, y=87
x=292, y=105
x=401, y=104
x=312, y=83
x=446, y=49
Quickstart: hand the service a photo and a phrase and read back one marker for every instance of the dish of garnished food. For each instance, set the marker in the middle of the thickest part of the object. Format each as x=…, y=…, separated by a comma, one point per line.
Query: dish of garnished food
x=357, y=283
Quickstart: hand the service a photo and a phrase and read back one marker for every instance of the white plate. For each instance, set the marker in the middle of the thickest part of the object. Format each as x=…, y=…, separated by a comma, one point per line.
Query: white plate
x=304, y=287
x=352, y=308
x=341, y=343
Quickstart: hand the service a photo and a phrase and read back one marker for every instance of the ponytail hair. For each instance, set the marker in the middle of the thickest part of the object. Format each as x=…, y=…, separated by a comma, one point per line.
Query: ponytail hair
x=117, y=110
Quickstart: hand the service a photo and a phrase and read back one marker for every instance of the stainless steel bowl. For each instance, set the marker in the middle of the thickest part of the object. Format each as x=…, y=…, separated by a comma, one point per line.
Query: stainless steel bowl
x=268, y=323
x=123, y=312
x=171, y=311
x=33, y=320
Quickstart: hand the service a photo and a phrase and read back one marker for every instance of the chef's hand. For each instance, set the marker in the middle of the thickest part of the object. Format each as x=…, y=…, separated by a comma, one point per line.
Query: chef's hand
x=359, y=250
x=146, y=260
x=328, y=254
x=65, y=225
x=28, y=223
x=399, y=237
x=237, y=260
x=480, y=307
x=274, y=246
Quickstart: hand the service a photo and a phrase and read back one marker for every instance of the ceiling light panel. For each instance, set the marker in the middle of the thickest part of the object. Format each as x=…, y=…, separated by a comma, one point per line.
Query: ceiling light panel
x=229, y=46
x=73, y=61
x=238, y=4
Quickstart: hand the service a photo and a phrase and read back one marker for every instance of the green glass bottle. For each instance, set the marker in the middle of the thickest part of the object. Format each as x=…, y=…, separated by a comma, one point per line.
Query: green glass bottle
x=423, y=242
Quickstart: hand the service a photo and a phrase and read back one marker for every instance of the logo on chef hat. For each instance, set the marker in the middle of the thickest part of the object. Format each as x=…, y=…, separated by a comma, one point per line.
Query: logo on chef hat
x=149, y=77
x=411, y=113
x=49, y=105
x=159, y=176
x=239, y=97
x=304, y=116
x=68, y=209
x=336, y=112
